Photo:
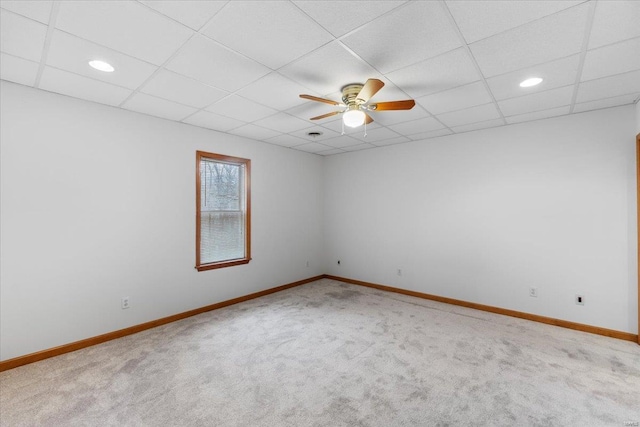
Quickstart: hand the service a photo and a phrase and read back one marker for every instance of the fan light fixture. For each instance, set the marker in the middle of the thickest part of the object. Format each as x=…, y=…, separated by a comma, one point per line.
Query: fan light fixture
x=353, y=118
x=531, y=82
x=101, y=66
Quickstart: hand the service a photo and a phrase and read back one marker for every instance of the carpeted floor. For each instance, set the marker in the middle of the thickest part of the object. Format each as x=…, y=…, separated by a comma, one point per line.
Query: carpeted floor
x=333, y=354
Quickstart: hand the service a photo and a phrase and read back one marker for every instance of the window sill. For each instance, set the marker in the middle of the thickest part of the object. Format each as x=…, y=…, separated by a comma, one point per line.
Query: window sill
x=222, y=264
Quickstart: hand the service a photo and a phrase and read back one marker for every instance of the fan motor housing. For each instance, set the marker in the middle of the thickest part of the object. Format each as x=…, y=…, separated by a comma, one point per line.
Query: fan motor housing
x=350, y=94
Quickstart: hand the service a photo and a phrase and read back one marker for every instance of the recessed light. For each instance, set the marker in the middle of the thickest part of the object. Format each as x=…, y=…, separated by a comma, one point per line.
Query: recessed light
x=101, y=66
x=531, y=82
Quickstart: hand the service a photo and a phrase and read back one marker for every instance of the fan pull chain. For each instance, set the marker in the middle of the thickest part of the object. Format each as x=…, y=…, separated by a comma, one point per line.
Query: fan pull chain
x=342, y=127
x=365, y=128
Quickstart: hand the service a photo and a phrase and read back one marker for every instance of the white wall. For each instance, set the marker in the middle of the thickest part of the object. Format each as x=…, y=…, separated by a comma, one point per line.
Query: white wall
x=637, y=118
x=99, y=203
x=483, y=216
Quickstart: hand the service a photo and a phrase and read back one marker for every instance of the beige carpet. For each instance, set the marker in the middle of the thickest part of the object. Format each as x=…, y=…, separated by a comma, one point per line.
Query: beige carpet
x=332, y=354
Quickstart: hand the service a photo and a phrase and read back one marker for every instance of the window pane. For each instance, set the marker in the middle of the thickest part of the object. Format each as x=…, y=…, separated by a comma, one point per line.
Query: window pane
x=221, y=236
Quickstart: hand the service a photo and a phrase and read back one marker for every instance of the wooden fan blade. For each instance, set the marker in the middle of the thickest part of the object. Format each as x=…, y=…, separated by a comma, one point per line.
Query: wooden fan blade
x=370, y=88
x=367, y=118
x=393, y=105
x=315, y=98
x=333, y=113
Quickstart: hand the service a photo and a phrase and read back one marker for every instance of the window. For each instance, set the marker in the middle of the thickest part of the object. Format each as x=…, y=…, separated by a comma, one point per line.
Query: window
x=223, y=211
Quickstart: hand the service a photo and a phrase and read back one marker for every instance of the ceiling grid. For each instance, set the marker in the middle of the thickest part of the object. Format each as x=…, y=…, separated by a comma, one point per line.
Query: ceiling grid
x=239, y=66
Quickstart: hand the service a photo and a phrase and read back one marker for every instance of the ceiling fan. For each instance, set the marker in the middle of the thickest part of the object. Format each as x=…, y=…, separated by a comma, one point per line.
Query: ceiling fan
x=355, y=99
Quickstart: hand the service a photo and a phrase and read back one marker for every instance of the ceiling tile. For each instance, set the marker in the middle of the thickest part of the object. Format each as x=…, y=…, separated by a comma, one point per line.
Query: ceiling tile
x=126, y=26
x=394, y=117
x=192, y=13
x=537, y=101
x=456, y=99
x=330, y=152
x=340, y=17
x=238, y=107
x=477, y=126
x=282, y=122
x=215, y=65
x=213, y=121
x=158, y=107
x=18, y=70
x=359, y=147
x=538, y=115
x=375, y=135
x=431, y=34
x=613, y=59
x=312, y=147
x=614, y=21
x=481, y=113
x=606, y=103
x=73, y=54
x=480, y=19
x=608, y=87
x=328, y=69
x=341, y=141
x=38, y=10
x=21, y=37
x=286, y=140
x=178, y=88
x=443, y=72
x=273, y=33
x=275, y=91
x=254, y=132
x=431, y=134
x=537, y=42
x=70, y=84
x=392, y=141
x=561, y=72
x=417, y=126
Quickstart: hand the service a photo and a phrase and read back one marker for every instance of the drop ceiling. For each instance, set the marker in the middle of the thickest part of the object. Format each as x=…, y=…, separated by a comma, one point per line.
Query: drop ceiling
x=239, y=66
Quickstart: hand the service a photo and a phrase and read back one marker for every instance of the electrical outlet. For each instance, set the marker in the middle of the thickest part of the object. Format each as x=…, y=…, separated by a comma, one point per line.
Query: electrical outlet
x=125, y=302
x=399, y=272
x=580, y=299
x=533, y=292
